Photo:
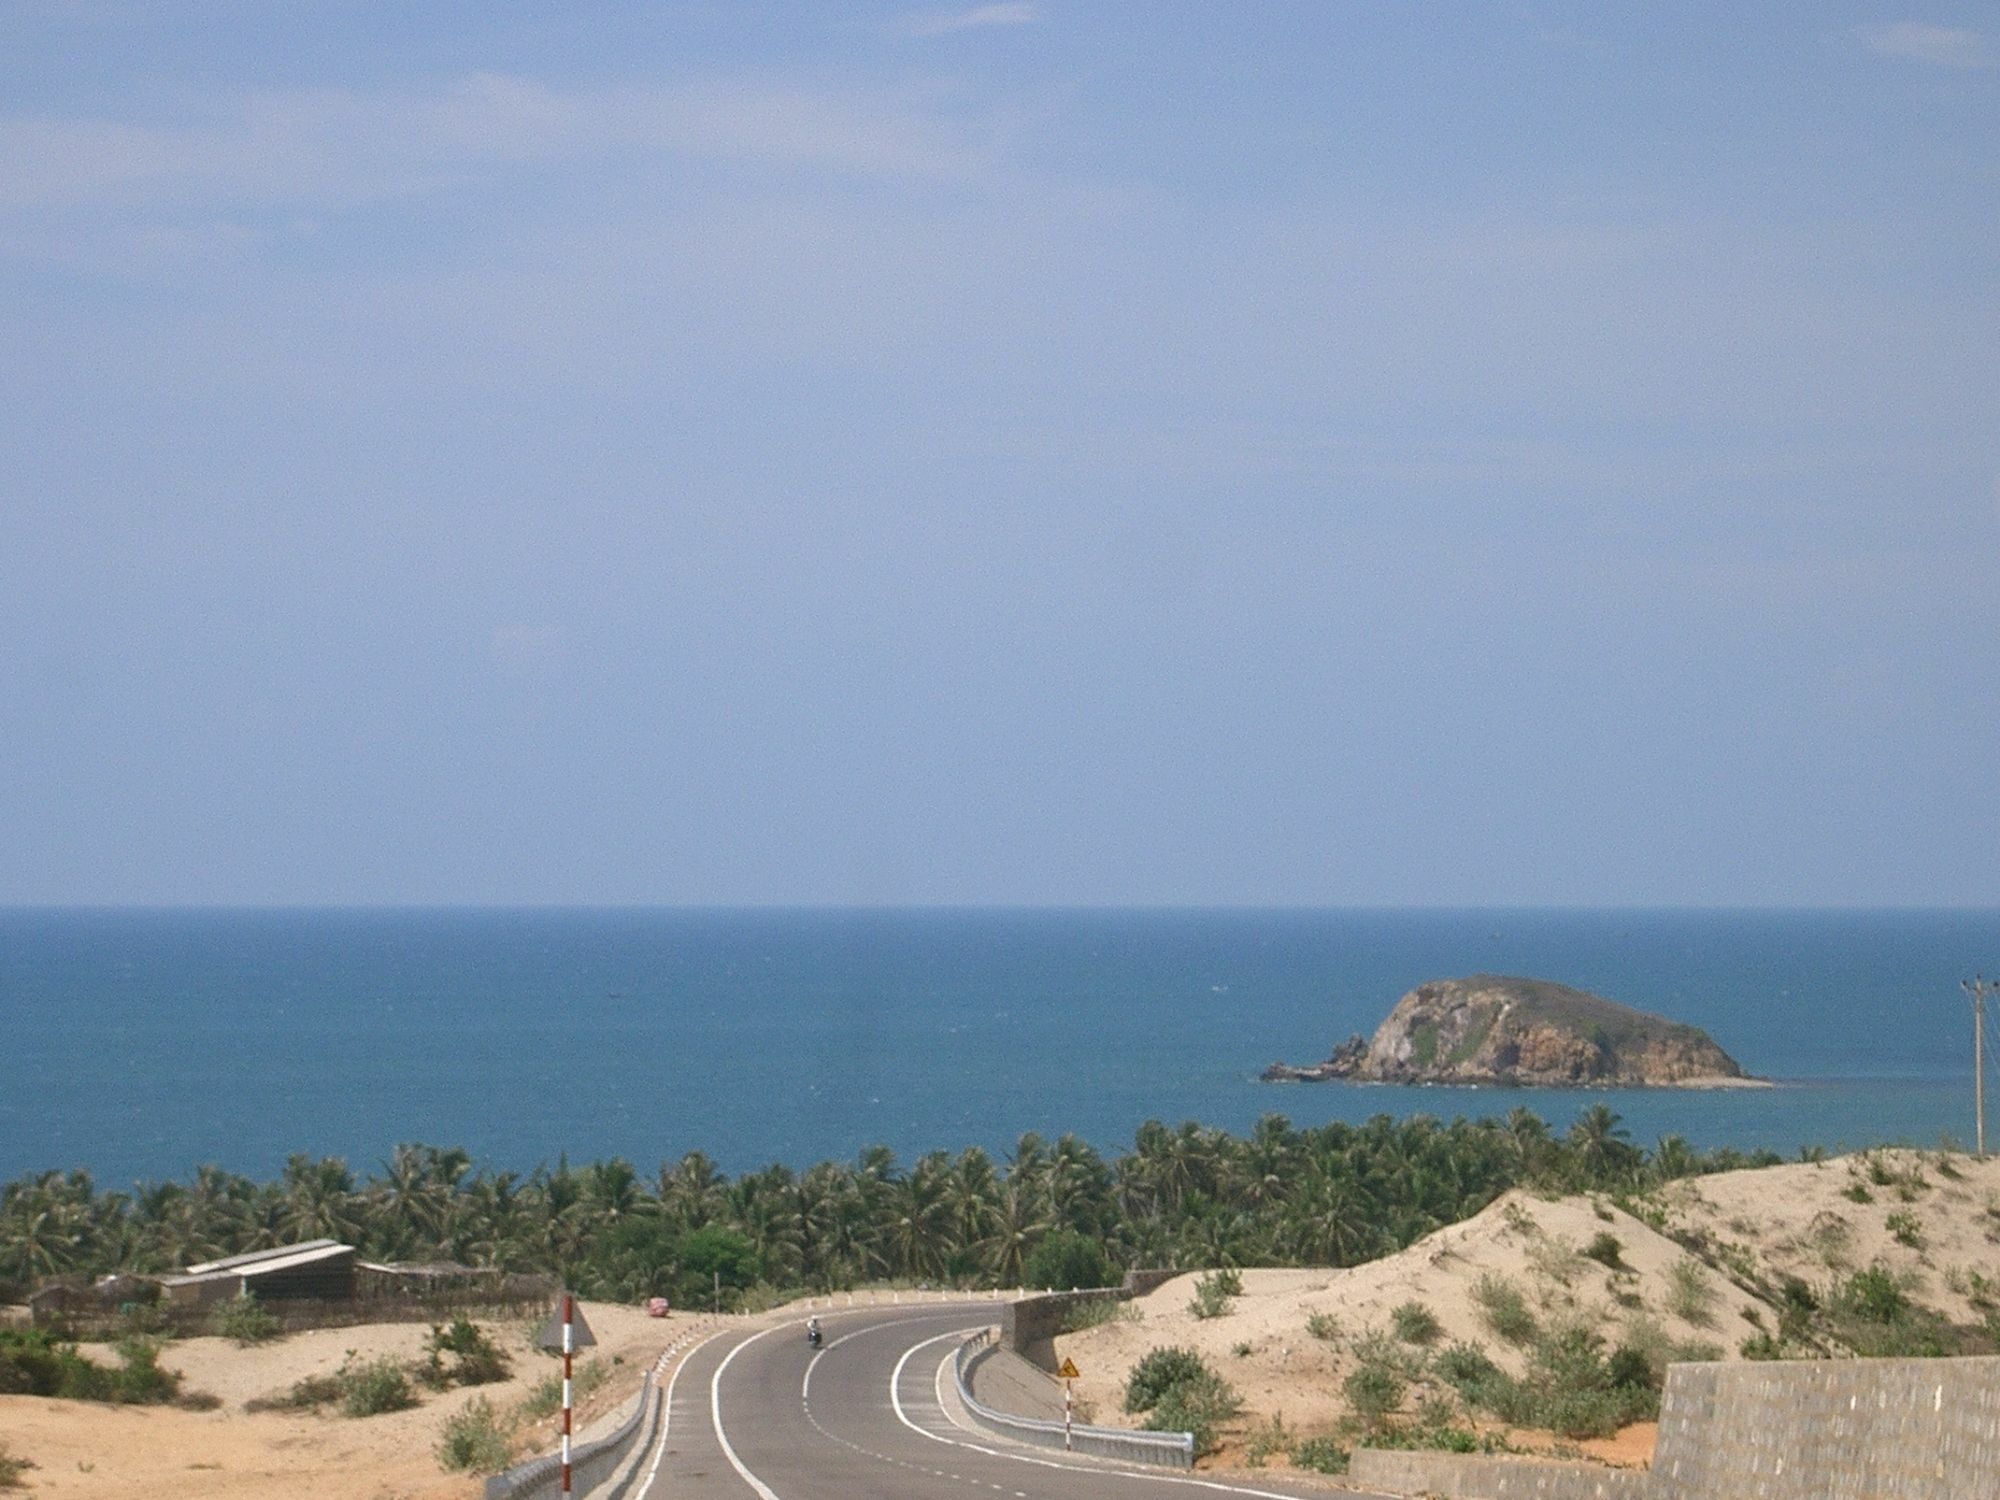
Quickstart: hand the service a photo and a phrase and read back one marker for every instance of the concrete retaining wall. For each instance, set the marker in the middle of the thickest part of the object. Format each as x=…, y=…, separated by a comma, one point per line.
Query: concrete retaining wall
x=1028, y=1325
x=1474, y=1476
x=1860, y=1429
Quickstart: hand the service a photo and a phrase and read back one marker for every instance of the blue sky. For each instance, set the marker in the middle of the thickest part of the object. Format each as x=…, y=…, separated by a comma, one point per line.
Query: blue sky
x=1028, y=453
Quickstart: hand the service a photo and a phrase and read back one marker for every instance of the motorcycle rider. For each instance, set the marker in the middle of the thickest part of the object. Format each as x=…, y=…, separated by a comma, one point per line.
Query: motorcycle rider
x=812, y=1332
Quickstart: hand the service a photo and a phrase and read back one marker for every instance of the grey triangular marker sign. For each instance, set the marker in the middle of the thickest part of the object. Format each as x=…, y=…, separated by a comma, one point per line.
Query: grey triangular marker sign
x=580, y=1336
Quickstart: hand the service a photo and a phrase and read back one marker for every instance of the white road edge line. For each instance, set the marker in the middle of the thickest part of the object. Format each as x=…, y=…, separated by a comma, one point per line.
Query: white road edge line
x=715, y=1414
x=896, y=1400
x=667, y=1413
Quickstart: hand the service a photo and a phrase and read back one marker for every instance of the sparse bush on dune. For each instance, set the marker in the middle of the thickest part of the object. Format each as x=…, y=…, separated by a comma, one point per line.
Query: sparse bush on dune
x=33, y=1363
x=1415, y=1324
x=376, y=1386
x=246, y=1320
x=473, y=1441
x=1322, y=1454
x=1373, y=1391
x=1215, y=1294
x=1690, y=1292
x=1158, y=1371
x=1178, y=1391
x=1504, y=1308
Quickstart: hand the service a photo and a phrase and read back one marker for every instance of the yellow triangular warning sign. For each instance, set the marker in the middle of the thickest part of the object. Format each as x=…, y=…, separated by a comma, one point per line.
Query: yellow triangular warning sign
x=1069, y=1370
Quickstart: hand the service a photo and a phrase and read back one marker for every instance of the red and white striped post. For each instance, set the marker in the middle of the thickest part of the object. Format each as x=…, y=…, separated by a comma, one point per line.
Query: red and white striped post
x=568, y=1350
x=1068, y=1372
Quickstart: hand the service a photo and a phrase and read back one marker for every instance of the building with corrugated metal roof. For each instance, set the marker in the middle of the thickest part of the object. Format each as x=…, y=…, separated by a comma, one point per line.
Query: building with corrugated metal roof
x=320, y=1269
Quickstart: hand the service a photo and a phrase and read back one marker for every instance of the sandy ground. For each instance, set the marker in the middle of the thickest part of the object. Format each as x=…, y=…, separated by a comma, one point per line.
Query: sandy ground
x=1779, y=1216
x=146, y=1453
x=1800, y=1220
x=162, y=1453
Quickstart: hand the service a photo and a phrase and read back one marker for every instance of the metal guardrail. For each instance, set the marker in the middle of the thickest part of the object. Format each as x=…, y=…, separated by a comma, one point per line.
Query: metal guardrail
x=1174, y=1450
x=594, y=1462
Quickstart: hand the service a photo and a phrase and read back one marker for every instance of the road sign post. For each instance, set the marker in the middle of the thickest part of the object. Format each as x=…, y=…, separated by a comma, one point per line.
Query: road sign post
x=1069, y=1373
x=566, y=1332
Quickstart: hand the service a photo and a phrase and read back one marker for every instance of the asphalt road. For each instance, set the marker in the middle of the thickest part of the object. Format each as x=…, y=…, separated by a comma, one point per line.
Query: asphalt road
x=759, y=1414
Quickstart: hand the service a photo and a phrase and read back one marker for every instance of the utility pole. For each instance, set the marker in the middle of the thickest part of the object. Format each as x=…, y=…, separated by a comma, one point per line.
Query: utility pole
x=1979, y=987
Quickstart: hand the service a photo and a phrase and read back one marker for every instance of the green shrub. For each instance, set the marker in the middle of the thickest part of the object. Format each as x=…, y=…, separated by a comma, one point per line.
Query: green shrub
x=1323, y=1326
x=1213, y=1294
x=1199, y=1406
x=545, y=1396
x=1857, y=1193
x=1323, y=1455
x=139, y=1378
x=472, y=1440
x=246, y=1320
x=12, y=1467
x=1505, y=1309
x=1607, y=1250
x=1097, y=1312
x=308, y=1393
x=1903, y=1226
x=1373, y=1391
x=1261, y=1442
x=1158, y=1372
x=1690, y=1293
x=376, y=1386
x=1584, y=1413
x=1415, y=1324
x=1630, y=1369
x=35, y=1363
x=474, y=1358
x=1872, y=1294
x=1464, y=1365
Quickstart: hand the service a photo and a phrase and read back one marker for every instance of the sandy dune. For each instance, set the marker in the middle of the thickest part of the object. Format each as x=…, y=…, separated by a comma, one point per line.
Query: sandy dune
x=1778, y=1220
x=148, y=1453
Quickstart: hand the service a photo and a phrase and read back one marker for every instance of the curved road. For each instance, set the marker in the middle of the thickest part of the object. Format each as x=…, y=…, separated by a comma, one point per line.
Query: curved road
x=758, y=1414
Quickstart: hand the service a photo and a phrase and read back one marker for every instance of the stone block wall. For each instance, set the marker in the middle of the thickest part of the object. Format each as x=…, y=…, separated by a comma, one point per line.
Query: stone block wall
x=1858, y=1429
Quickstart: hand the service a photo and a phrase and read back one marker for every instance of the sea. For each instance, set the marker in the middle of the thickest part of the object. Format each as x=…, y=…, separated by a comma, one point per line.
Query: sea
x=140, y=1044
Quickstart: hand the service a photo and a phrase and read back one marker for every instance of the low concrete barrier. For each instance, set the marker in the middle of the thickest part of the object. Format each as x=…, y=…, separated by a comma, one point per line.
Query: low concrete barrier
x=1173, y=1450
x=1474, y=1476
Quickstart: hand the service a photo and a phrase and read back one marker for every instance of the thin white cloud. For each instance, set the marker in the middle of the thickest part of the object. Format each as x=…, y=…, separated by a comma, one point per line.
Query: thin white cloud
x=1920, y=41
x=333, y=147
x=1013, y=13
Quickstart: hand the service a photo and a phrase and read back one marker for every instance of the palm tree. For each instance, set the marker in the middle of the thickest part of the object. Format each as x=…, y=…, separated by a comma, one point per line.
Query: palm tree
x=1599, y=1144
x=1017, y=1228
x=319, y=1198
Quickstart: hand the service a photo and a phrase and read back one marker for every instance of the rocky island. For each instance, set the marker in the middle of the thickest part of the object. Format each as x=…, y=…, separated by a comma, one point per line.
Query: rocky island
x=1493, y=1029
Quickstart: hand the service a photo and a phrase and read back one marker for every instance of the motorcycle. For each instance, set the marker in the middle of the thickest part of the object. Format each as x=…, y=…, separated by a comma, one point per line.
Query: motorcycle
x=813, y=1335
